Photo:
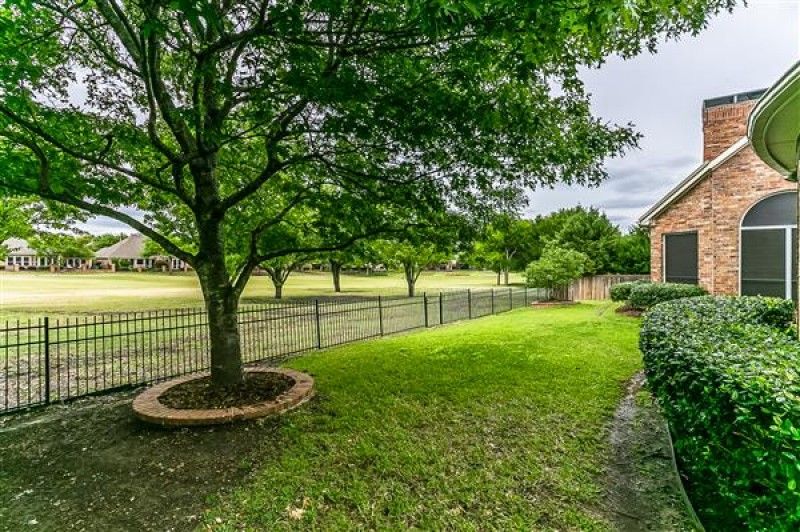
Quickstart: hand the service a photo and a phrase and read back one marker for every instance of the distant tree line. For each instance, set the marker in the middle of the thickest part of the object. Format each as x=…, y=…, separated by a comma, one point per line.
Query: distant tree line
x=503, y=243
x=550, y=249
x=510, y=243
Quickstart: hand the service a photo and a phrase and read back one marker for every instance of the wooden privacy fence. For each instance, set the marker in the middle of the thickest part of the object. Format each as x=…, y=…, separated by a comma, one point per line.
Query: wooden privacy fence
x=596, y=287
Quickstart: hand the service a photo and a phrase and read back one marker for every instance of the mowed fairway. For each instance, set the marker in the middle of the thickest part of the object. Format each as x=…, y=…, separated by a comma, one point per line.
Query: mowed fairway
x=24, y=294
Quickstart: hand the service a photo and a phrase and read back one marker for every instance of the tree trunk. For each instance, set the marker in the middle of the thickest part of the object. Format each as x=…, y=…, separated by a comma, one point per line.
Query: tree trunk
x=278, y=289
x=498, y=277
x=505, y=275
x=336, y=272
x=411, y=281
x=222, y=305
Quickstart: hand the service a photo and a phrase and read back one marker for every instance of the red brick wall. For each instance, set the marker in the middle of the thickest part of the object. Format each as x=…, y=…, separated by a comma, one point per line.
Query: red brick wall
x=714, y=208
x=723, y=125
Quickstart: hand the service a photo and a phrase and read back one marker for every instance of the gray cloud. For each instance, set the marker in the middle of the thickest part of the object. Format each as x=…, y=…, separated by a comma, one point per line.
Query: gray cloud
x=624, y=202
x=662, y=94
x=103, y=224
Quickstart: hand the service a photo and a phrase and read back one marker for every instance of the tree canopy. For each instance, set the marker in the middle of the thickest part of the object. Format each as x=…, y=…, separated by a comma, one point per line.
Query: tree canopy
x=203, y=125
x=60, y=246
x=15, y=218
x=412, y=255
x=632, y=251
x=591, y=232
x=505, y=245
x=15, y=221
x=106, y=239
x=509, y=243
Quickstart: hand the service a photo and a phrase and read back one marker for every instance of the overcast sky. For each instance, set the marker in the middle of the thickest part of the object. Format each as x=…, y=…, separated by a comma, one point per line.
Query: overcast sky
x=662, y=95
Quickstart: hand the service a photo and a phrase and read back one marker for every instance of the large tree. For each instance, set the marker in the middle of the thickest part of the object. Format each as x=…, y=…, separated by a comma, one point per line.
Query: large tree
x=412, y=255
x=589, y=231
x=480, y=255
x=280, y=268
x=632, y=251
x=353, y=256
x=202, y=124
x=505, y=245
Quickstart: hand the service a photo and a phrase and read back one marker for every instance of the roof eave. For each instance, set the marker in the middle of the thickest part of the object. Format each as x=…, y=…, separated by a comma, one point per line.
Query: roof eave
x=691, y=180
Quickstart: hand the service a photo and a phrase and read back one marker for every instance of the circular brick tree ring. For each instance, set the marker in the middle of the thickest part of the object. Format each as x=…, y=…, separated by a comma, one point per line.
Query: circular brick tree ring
x=147, y=406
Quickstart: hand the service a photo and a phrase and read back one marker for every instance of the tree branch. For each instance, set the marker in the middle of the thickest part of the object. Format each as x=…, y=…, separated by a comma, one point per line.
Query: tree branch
x=37, y=131
x=45, y=191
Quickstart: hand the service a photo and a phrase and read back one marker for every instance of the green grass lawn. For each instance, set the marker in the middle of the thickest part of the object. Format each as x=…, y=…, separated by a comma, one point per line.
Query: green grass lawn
x=25, y=294
x=496, y=423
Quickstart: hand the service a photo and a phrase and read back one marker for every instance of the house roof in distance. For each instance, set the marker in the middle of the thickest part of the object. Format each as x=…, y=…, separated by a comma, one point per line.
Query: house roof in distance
x=17, y=247
x=691, y=180
x=131, y=247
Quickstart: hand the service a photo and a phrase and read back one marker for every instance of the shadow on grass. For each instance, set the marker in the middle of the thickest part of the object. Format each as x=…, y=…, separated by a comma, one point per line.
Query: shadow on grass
x=95, y=467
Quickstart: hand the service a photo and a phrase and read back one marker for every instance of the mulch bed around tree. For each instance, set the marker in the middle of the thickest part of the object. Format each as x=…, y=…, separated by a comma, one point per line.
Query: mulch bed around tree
x=628, y=311
x=553, y=303
x=202, y=394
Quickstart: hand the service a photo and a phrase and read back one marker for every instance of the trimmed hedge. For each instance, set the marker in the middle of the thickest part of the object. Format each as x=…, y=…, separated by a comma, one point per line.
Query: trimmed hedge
x=644, y=296
x=622, y=291
x=726, y=372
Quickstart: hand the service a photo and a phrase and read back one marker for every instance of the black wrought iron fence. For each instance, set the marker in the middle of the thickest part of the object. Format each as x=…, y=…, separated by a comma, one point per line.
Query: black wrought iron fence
x=48, y=360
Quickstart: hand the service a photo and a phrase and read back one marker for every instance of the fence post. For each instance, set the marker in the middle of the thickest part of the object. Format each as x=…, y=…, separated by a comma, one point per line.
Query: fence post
x=319, y=330
x=425, y=304
x=380, y=313
x=526, y=296
x=47, y=360
x=492, y=300
x=441, y=310
x=510, y=299
x=469, y=302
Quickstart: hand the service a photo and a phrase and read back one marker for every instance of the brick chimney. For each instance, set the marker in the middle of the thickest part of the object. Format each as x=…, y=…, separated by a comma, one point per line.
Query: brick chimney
x=725, y=121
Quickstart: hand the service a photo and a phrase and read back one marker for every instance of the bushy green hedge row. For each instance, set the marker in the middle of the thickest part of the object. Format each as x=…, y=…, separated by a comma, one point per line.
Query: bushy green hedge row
x=622, y=291
x=727, y=373
x=644, y=296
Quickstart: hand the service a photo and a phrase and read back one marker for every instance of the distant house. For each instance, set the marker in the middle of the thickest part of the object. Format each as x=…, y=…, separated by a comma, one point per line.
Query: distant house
x=131, y=250
x=22, y=257
x=127, y=253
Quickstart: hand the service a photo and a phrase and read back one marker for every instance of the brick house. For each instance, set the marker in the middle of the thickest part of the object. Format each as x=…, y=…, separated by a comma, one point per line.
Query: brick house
x=730, y=225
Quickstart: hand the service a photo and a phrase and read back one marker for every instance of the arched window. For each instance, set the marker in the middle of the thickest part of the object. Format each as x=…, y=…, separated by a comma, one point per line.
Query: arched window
x=768, y=247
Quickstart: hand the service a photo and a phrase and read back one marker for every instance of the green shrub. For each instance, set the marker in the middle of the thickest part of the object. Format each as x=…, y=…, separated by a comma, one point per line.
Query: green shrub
x=622, y=291
x=725, y=371
x=556, y=269
x=644, y=296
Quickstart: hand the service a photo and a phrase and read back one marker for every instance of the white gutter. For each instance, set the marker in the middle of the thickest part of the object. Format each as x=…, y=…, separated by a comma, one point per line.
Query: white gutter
x=774, y=124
